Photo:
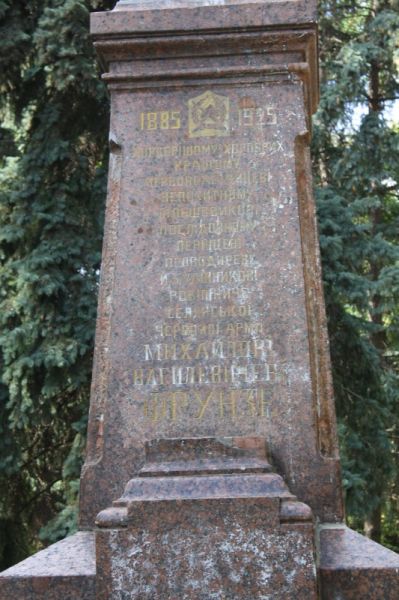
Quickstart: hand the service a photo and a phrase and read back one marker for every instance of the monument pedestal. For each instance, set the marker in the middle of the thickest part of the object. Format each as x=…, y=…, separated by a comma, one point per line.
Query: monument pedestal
x=211, y=341
x=206, y=520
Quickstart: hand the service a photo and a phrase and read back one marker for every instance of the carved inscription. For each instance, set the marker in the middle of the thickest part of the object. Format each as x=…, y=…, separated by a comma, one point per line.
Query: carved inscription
x=210, y=354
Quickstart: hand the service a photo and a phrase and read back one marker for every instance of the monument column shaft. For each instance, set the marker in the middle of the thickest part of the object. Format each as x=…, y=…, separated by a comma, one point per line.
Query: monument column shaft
x=211, y=320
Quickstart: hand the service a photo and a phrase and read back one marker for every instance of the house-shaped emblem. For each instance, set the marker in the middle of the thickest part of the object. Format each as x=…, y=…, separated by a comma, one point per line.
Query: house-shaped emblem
x=208, y=115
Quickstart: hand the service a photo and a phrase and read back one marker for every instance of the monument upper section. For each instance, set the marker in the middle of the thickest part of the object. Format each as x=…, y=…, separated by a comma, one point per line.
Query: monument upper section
x=208, y=15
x=210, y=313
x=175, y=40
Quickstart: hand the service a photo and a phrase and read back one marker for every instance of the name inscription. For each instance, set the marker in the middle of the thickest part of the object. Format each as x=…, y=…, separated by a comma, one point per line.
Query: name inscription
x=210, y=355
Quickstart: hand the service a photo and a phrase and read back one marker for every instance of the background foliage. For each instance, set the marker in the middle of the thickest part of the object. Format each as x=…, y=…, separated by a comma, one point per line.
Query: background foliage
x=356, y=168
x=53, y=155
x=55, y=122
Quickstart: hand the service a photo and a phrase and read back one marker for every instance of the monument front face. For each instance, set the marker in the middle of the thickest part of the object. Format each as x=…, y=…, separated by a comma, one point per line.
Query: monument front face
x=207, y=324
x=212, y=305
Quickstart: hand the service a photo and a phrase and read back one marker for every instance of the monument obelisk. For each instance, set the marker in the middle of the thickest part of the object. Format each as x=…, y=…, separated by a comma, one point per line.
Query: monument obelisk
x=212, y=467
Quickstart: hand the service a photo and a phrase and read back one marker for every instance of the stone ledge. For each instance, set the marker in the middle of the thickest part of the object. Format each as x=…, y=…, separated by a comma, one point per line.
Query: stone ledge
x=183, y=15
x=66, y=569
x=353, y=567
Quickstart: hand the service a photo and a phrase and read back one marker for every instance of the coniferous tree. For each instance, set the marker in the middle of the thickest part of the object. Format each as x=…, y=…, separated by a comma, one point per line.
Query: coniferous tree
x=356, y=175
x=51, y=209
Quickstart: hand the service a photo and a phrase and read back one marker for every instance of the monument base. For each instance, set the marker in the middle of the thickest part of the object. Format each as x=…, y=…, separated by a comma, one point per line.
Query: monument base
x=206, y=519
x=350, y=566
x=207, y=549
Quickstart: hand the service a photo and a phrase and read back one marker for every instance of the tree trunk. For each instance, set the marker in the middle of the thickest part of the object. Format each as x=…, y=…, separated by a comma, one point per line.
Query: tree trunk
x=372, y=525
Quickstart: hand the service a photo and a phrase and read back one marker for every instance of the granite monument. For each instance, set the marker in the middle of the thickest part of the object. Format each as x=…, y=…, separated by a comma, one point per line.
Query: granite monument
x=212, y=467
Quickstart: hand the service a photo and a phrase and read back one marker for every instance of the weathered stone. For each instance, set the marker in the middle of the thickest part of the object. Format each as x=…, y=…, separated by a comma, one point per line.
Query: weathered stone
x=207, y=551
x=212, y=441
x=65, y=570
x=211, y=318
x=353, y=567
x=226, y=528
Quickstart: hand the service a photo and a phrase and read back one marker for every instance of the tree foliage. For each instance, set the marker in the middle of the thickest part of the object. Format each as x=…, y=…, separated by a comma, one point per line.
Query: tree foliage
x=55, y=113
x=357, y=174
x=53, y=155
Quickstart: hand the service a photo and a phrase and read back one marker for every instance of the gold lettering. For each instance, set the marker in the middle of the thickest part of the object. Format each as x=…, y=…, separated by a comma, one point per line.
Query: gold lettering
x=231, y=404
x=263, y=407
x=208, y=211
x=239, y=348
x=203, y=404
x=165, y=119
x=202, y=351
x=219, y=150
x=155, y=408
x=137, y=376
x=185, y=351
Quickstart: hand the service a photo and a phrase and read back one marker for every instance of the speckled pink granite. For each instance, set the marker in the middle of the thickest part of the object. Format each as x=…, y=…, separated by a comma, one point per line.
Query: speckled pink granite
x=65, y=570
x=210, y=230
x=204, y=481
x=354, y=567
x=238, y=533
